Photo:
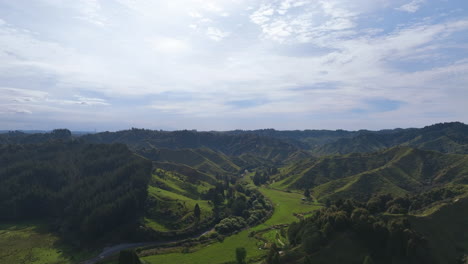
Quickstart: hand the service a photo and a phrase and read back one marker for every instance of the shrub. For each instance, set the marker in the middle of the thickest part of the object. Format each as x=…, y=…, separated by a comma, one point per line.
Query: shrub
x=230, y=224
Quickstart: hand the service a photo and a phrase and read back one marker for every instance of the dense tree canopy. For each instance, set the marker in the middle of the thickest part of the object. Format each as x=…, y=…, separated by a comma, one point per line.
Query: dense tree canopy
x=87, y=190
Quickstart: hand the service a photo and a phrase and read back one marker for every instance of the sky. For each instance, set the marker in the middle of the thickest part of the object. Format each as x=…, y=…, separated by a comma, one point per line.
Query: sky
x=232, y=64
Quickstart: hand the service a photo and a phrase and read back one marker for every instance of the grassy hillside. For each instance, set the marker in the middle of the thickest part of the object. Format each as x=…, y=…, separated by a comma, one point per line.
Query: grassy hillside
x=202, y=159
x=398, y=171
x=171, y=202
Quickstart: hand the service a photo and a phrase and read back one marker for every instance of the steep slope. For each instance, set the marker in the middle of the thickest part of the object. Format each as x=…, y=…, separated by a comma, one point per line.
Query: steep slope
x=172, y=199
x=398, y=170
x=351, y=232
x=442, y=230
x=87, y=192
x=201, y=159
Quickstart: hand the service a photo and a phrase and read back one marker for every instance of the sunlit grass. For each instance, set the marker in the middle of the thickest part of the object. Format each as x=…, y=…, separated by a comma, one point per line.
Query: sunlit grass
x=30, y=243
x=218, y=252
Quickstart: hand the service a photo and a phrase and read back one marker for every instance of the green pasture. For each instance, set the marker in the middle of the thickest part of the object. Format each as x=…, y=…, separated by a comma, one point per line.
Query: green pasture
x=219, y=252
x=30, y=243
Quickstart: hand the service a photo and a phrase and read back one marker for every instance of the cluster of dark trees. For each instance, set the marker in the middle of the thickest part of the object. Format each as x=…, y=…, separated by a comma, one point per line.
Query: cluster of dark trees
x=410, y=203
x=128, y=256
x=241, y=254
x=237, y=206
x=85, y=191
x=387, y=239
x=262, y=176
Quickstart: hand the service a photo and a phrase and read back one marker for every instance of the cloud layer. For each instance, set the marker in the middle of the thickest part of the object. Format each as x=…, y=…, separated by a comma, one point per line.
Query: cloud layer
x=228, y=64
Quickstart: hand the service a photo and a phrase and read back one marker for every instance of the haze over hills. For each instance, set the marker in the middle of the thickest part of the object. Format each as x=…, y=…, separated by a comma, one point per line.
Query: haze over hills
x=444, y=137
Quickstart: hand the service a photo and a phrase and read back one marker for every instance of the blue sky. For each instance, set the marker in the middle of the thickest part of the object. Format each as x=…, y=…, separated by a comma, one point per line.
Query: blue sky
x=232, y=64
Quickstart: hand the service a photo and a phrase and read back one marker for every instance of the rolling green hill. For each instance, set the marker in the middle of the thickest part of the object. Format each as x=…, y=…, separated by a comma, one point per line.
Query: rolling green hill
x=444, y=137
x=202, y=159
x=398, y=171
x=271, y=149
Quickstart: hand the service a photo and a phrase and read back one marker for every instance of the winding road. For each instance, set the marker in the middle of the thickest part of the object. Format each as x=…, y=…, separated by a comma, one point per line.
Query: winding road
x=109, y=251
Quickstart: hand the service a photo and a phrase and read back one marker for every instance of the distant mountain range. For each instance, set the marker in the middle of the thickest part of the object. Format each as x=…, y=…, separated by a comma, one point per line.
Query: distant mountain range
x=270, y=144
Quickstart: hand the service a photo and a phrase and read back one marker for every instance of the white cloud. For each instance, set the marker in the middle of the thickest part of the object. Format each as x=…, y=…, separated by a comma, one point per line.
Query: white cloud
x=314, y=19
x=262, y=15
x=21, y=111
x=212, y=7
x=216, y=34
x=412, y=6
x=169, y=45
x=283, y=55
x=24, y=99
x=90, y=10
x=86, y=10
x=287, y=4
x=333, y=10
x=10, y=94
x=195, y=14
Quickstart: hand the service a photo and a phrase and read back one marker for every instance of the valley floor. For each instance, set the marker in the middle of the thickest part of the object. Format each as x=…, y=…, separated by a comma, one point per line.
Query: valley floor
x=285, y=206
x=31, y=243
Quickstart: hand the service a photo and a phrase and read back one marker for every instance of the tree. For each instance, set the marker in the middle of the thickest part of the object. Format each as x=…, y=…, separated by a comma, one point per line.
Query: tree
x=307, y=193
x=273, y=255
x=128, y=257
x=368, y=260
x=307, y=260
x=311, y=238
x=197, y=212
x=241, y=253
x=239, y=205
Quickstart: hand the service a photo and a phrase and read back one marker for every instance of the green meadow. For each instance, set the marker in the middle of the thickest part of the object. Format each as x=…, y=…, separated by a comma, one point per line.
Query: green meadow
x=285, y=205
x=31, y=243
x=219, y=252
